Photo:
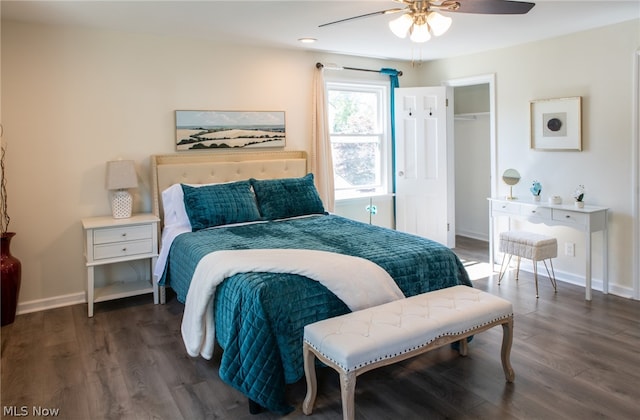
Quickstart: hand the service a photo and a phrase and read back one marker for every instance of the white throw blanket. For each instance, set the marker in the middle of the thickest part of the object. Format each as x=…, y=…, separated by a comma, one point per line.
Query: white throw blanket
x=358, y=282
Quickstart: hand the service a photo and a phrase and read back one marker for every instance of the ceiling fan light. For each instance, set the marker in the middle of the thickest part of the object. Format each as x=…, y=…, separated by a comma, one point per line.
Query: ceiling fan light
x=439, y=23
x=420, y=33
x=400, y=26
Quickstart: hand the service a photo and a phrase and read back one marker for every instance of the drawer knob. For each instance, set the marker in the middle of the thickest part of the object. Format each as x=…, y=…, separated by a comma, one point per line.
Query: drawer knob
x=124, y=249
x=533, y=211
x=568, y=216
x=124, y=234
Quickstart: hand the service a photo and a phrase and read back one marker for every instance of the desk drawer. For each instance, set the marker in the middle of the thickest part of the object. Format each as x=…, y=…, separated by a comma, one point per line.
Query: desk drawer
x=122, y=234
x=509, y=208
x=570, y=217
x=535, y=212
x=122, y=249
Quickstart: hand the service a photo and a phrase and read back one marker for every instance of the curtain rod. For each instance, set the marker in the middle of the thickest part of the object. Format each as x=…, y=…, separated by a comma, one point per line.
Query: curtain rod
x=320, y=65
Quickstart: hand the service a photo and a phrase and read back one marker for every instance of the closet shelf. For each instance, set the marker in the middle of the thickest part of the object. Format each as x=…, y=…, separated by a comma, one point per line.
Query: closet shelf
x=470, y=116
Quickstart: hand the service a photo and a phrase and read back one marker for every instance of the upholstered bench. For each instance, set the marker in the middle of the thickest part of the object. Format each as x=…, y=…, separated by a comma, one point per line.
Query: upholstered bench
x=533, y=246
x=382, y=335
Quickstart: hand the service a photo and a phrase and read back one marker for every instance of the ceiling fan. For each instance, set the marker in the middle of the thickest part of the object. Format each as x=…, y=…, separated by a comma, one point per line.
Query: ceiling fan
x=420, y=19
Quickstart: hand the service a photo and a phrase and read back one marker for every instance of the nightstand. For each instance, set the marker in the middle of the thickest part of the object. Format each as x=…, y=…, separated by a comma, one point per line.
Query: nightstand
x=107, y=241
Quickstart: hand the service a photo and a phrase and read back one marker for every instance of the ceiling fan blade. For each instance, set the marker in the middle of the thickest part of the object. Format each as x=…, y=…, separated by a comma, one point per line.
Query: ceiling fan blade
x=366, y=15
x=494, y=7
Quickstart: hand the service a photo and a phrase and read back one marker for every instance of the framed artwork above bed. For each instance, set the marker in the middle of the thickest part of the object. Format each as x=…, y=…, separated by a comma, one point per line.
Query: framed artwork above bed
x=211, y=130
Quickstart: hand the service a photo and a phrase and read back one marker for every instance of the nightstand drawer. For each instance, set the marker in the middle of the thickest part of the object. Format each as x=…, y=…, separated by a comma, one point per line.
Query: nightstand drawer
x=122, y=234
x=122, y=249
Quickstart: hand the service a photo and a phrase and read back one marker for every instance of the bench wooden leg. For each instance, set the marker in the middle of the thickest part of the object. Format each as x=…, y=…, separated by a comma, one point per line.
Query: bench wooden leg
x=310, y=374
x=507, y=340
x=348, y=388
x=463, y=348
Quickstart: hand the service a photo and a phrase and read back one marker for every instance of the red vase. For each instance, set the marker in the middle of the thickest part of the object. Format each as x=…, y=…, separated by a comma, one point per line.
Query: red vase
x=11, y=276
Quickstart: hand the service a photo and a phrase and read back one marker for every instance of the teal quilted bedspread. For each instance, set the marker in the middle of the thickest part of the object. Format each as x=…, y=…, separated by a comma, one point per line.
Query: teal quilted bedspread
x=260, y=317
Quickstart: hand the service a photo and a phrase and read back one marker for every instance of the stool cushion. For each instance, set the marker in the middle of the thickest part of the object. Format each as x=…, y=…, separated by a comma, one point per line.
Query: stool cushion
x=367, y=336
x=533, y=246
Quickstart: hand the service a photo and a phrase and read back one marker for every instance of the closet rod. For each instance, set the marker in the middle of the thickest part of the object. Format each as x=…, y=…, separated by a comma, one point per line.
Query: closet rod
x=320, y=65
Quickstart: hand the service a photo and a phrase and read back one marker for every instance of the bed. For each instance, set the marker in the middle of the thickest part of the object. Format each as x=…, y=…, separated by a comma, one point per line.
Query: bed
x=259, y=316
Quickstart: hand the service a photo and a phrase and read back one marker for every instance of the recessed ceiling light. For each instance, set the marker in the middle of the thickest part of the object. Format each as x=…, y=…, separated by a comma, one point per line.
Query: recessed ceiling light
x=307, y=40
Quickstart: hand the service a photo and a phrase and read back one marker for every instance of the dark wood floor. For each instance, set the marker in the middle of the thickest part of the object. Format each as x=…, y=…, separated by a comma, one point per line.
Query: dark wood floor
x=573, y=360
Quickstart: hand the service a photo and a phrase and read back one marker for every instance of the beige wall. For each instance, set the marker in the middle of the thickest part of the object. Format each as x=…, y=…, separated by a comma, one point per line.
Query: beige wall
x=597, y=65
x=73, y=99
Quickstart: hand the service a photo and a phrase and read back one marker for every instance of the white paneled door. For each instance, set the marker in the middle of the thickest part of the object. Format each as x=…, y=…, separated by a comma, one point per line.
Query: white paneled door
x=424, y=163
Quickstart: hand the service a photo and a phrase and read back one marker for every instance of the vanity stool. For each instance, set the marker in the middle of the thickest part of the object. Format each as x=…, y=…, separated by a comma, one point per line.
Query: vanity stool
x=532, y=246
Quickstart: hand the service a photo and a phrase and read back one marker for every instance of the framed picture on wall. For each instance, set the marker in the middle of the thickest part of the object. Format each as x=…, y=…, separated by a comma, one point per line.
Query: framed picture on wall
x=211, y=130
x=556, y=124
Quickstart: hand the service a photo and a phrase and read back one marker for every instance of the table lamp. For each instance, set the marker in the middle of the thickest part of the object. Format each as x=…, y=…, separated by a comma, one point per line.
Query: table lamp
x=121, y=174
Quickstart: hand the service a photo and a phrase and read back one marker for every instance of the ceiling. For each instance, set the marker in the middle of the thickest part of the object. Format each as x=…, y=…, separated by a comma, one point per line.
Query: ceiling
x=281, y=23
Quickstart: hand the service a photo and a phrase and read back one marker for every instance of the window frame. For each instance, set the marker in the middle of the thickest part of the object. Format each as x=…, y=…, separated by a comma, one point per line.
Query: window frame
x=381, y=90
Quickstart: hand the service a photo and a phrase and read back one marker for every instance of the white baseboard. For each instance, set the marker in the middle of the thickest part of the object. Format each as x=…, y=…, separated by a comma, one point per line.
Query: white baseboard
x=50, y=303
x=76, y=298
x=563, y=276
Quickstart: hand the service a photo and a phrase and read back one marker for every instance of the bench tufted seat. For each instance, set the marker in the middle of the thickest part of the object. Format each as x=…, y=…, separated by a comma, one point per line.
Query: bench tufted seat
x=364, y=340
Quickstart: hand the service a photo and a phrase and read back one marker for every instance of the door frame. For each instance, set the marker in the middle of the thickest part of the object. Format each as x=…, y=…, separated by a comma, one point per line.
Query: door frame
x=635, y=179
x=489, y=79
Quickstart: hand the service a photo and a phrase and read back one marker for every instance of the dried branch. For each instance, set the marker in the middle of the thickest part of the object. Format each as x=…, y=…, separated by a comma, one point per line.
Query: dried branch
x=4, y=215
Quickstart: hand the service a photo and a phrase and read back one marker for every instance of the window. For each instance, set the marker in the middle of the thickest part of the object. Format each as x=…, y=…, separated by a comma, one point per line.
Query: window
x=358, y=126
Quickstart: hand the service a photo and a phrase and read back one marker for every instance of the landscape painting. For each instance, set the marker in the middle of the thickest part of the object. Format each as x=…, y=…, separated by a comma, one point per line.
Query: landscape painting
x=207, y=130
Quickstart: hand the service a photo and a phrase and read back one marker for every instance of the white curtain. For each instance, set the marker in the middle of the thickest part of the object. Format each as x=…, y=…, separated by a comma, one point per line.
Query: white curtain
x=321, y=159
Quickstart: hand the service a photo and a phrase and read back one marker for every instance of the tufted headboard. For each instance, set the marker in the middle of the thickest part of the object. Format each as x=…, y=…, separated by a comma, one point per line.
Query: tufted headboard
x=219, y=167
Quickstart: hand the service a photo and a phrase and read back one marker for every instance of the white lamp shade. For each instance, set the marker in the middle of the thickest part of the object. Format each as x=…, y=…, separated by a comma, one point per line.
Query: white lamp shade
x=121, y=174
x=439, y=23
x=420, y=33
x=400, y=26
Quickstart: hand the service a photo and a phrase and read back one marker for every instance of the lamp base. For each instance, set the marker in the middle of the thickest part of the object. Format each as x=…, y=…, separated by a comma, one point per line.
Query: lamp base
x=121, y=204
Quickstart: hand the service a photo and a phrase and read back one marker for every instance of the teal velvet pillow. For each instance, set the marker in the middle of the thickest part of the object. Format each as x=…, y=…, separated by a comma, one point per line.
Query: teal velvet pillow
x=287, y=197
x=220, y=204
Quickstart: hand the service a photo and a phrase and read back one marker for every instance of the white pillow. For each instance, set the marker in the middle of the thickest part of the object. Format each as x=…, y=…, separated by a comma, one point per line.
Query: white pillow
x=172, y=202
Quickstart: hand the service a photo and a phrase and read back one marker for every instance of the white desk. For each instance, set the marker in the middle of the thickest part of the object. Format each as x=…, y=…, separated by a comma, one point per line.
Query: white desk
x=588, y=220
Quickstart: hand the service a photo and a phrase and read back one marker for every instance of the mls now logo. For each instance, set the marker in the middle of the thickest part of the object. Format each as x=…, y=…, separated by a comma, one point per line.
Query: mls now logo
x=23, y=411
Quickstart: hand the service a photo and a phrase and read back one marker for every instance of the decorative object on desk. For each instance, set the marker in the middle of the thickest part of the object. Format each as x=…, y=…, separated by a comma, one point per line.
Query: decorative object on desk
x=536, y=190
x=578, y=195
x=10, y=266
x=555, y=199
x=556, y=124
x=511, y=177
x=211, y=130
x=121, y=175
